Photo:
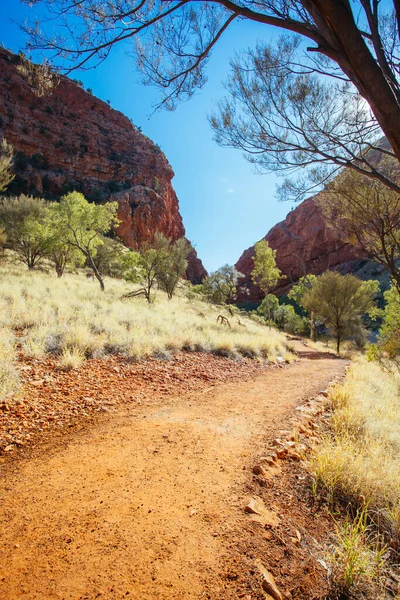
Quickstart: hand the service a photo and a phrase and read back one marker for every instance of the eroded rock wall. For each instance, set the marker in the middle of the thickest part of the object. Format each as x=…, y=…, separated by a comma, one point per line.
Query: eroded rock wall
x=304, y=244
x=73, y=140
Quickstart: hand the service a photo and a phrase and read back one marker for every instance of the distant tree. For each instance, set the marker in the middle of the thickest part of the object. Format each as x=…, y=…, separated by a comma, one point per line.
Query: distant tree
x=108, y=257
x=82, y=224
x=287, y=319
x=23, y=219
x=297, y=294
x=146, y=266
x=367, y=214
x=221, y=285
x=340, y=301
x=268, y=306
x=6, y=161
x=175, y=265
x=265, y=273
x=61, y=253
x=283, y=316
x=387, y=348
x=130, y=265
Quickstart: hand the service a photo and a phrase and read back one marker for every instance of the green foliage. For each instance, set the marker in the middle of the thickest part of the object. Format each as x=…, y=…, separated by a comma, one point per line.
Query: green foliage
x=161, y=261
x=288, y=320
x=82, y=224
x=299, y=290
x=389, y=337
x=131, y=266
x=24, y=221
x=265, y=273
x=340, y=301
x=268, y=306
x=175, y=264
x=367, y=214
x=297, y=294
x=358, y=557
x=220, y=286
x=6, y=159
x=108, y=257
x=387, y=349
x=156, y=185
x=61, y=253
x=283, y=316
x=146, y=267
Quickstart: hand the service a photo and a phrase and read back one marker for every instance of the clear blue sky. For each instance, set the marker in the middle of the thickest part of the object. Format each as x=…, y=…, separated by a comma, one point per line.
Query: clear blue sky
x=225, y=206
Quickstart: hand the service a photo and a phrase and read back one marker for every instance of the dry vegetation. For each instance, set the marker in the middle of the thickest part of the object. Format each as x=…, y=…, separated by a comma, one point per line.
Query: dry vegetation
x=74, y=320
x=358, y=465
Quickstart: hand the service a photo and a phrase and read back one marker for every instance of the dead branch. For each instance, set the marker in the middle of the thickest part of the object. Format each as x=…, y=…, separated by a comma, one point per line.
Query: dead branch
x=223, y=320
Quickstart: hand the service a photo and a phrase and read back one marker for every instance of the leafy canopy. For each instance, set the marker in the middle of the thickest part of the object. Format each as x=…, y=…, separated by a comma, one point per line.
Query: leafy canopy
x=340, y=301
x=265, y=273
x=366, y=213
x=221, y=285
x=24, y=221
x=81, y=224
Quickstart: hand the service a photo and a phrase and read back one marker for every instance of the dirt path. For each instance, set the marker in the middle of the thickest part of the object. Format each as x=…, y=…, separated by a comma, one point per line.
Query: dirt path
x=148, y=503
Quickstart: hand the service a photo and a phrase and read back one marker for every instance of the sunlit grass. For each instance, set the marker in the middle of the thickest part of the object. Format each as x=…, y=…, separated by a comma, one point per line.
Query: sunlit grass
x=361, y=459
x=358, y=464
x=72, y=319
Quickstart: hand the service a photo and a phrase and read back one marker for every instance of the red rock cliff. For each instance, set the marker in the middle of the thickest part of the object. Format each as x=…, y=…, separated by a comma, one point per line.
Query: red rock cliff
x=72, y=140
x=304, y=243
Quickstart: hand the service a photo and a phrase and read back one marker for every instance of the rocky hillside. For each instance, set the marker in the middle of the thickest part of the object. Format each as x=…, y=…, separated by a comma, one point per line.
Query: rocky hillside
x=304, y=244
x=71, y=140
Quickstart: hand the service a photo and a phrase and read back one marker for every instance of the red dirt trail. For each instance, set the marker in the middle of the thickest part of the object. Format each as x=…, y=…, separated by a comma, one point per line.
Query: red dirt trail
x=147, y=502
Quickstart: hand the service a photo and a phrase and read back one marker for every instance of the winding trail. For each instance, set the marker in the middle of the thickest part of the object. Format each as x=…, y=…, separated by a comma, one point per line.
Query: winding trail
x=146, y=503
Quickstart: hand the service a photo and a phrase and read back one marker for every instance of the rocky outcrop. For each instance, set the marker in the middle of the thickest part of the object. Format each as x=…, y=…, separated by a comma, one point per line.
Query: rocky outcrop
x=73, y=140
x=304, y=244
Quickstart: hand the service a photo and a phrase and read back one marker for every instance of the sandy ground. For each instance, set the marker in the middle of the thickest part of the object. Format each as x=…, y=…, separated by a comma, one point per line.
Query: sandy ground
x=148, y=503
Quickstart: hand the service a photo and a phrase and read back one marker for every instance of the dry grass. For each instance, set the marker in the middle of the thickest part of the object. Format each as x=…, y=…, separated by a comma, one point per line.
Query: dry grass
x=361, y=460
x=9, y=379
x=73, y=319
x=357, y=560
x=347, y=348
x=359, y=463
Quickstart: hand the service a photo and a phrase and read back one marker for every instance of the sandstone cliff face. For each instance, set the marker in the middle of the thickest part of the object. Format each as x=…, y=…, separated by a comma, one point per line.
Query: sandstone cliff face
x=304, y=244
x=72, y=140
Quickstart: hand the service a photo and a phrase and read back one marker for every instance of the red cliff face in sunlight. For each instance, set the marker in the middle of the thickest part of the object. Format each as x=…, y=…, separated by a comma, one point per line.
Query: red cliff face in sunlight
x=304, y=244
x=70, y=140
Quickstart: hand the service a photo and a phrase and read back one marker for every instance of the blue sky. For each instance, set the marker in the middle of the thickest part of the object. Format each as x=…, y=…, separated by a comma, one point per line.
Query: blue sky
x=225, y=206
